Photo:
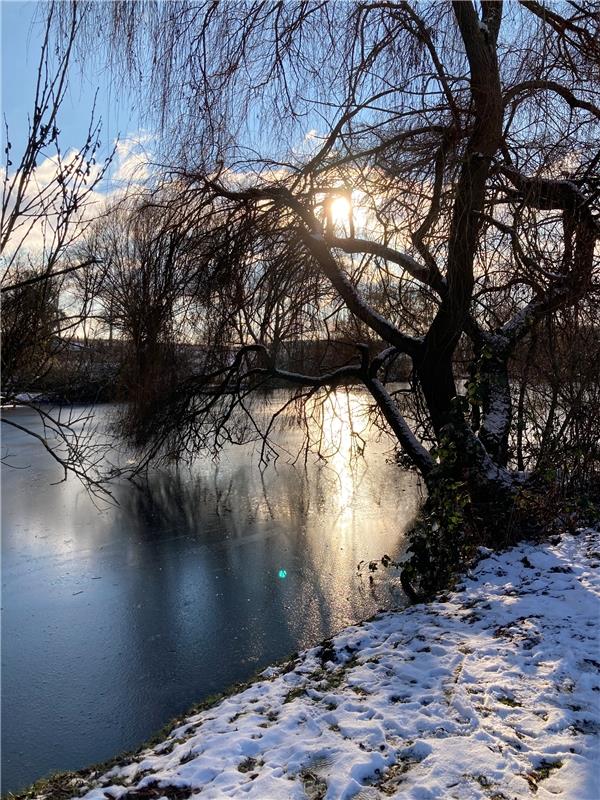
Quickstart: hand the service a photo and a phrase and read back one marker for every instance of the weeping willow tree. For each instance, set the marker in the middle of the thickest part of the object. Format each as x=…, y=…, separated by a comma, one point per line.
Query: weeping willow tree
x=419, y=179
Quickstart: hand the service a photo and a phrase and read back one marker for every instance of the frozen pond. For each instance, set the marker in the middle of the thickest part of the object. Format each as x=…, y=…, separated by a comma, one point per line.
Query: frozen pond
x=117, y=619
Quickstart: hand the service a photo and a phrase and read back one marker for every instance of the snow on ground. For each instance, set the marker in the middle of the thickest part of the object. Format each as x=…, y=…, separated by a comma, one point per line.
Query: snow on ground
x=491, y=692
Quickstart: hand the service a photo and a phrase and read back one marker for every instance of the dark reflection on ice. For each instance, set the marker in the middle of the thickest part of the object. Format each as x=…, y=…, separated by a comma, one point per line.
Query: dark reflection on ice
x=115, y=620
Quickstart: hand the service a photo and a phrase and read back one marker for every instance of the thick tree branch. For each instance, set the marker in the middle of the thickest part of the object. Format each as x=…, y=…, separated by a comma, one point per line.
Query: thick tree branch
x=313, y=238
x=327, y=379
x=407, y=262
x=435, y=367
x=411, y=445
x=317, y=246
x=551, y=194
x=539, y=85
x=48, y=276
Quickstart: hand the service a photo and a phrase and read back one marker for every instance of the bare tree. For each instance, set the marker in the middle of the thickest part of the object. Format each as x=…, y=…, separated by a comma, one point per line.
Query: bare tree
x=51, y=208
x=466, y=138
x=42, y=217
x=143, y=277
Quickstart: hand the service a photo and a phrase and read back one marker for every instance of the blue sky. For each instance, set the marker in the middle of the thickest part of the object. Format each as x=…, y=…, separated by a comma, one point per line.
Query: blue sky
x=21, y=41
x=22, y=31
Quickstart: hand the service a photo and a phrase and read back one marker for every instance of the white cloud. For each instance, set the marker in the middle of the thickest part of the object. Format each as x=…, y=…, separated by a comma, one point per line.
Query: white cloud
x=34, y=231
x=133, y=159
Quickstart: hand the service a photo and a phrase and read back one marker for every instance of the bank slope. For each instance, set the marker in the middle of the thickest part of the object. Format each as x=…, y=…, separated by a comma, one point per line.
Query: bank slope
x=491, y=692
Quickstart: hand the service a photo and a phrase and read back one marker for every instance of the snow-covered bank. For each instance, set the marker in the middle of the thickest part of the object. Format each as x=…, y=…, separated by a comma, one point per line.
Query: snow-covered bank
x=491, y=692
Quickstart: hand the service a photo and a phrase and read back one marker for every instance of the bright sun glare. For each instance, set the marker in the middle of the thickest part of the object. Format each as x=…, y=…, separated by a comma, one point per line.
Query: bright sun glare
x=340, y=210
